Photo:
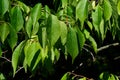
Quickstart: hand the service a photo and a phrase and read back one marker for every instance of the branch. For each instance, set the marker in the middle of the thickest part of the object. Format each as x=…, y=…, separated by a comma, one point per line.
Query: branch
x=5, y=59
x=107, y=46
x=19, y=70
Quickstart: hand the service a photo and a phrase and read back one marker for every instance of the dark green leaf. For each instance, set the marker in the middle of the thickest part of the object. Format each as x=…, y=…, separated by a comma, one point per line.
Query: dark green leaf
x=4, y=6
x=17, y=18
x=53, y=29
x=4, y=31
x=0, y=51
x=16, y=55
x=72, y=44
x=107, y=10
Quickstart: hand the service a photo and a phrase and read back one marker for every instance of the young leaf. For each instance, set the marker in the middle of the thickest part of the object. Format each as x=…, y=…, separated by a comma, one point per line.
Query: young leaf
x=107, y=10
x=82, y=11
x=16, y=18
x=90, y=25
x=63, y=28
x=4, y=31
x=81, y=38
x=65, y=77
x=72, y=44
x=118, y=7
x=12, y=38
x=53, y=29
x=16, y=55
x=4, y=6
x=93, y=43
x=36, y=13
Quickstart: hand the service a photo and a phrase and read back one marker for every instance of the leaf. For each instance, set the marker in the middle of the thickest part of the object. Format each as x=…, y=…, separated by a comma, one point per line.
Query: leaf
x=44, y=37
x=107, y=10
x=65, y=77
x=90, y=25
x=16, y=18
x=81, y=39
x=57, y=54
x=86, y=33
x=63, y=28
x=4, y=6
x=16, y=56
x=24, y=7
x=64, y=3
x=2, y=77
x=102, y=29
x=82, y=11
x=93, y=43
x=12, y=38
x=72, y=44
x=97, y=17
x=0, y=51
x=35, y=29
x=84, y=78
x=118, y=7
x=53, y=29
x=4, y=31
x=28, y=26
x=36, y=13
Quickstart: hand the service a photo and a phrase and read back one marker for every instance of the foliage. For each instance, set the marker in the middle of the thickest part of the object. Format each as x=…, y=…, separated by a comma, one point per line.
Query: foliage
x=35, y=37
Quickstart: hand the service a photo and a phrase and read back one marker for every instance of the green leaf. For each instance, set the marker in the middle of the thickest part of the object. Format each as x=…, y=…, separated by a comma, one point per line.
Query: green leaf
x=53, y=29
x=93, y=43
x=97, y=17
x=4, y=6
x=107, y=10
x=64, y=3
x=28, y=26
x=118, y=7
x=44, y=37
x=90, y=25
x=84, y=78
x=81, y=39
x=16, y=18
x=65, y=77
x=82, y=11
x=35, y=29
x=12, y=38
x=24, y=7
x=2, y=77
x=16, y=55
x=86, y=33
x=102, y=29
x=64, y=31
x=36, y=13
x=4, y=31
x=57, y=54
x=72, y=44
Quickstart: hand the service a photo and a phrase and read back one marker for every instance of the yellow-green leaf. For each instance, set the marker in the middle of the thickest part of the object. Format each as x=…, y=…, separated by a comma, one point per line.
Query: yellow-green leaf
x=4, y=31
x=118, y=7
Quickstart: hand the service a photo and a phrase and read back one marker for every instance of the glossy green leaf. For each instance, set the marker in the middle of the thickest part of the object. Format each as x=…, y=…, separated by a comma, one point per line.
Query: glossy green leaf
x=102, y=29
x=53, y=29
x=30, y=49
x=118, y=7
x=97, y=17
x=36, y=13
x=4, y=6
x=82, y=11
x=12, y=38
x=4, y=31
x=72, y=44
x=28, y=26
x=16, y=18
x=16, y=55
x=81, y=39
x=24, y=7
x=65, y=77
x=64, y=31
x=107, y=10
x=2, y=77
x=93, y=43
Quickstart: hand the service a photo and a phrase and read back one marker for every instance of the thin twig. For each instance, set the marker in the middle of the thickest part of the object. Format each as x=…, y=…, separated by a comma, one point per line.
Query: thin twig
x=90, y=53
x=4, y=52
x=19, y=70
x=6, y=59
x=107, y=46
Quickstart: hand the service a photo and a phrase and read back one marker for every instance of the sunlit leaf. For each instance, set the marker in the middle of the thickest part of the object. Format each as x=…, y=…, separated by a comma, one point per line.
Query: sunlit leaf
x=63, y=28
x=4, y=31
x=16, y=18
x=107, y=10
x=64, y=3
x=84, y=78
x=4, y=6
x=35, y=29
x=65, y=76
x=2, y=77
x=72, y=44
x=93, y=43
x=53, y=29
x=102, y=29
x=118, y=7
x=90, y=25
x=36, y=13
x=86, y=33
x=16, y=55
x=81, y=38
x=82, y=11
x=12, y=38
x=57, y=54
